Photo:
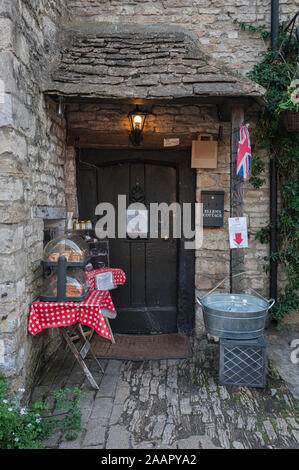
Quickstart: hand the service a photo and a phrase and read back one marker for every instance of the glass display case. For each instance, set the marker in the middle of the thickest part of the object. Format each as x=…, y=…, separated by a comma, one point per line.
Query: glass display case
x=75, y=250
x=65, y=257
x=75, y=288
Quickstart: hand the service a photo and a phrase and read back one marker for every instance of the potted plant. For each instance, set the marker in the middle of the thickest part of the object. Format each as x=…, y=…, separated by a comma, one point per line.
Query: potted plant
x=289, y=107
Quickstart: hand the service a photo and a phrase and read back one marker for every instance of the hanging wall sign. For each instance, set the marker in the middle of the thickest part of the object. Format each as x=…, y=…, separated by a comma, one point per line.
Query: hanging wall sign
x=213, y=208
x=238, y=234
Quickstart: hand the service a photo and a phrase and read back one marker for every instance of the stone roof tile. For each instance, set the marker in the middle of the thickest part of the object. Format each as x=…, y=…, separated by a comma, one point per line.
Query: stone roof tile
x=138, y=61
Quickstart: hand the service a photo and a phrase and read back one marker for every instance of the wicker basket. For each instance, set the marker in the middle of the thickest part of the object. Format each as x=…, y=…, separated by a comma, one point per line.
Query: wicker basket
x=291, y=121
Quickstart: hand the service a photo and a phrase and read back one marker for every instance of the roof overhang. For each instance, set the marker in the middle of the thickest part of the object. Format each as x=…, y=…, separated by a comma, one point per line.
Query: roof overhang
x=137, y=62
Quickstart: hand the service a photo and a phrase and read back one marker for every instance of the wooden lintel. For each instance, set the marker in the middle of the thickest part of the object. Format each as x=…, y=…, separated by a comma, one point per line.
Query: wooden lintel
x=236, y=196
x=96, y=139
x=191, y=100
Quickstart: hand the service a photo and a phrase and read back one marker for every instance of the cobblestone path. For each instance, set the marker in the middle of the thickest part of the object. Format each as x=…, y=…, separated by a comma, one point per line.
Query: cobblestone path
x=176, y=404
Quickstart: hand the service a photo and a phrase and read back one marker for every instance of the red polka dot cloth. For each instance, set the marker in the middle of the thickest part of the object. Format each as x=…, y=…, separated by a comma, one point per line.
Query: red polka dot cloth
x=119, y=277
x=88, y=312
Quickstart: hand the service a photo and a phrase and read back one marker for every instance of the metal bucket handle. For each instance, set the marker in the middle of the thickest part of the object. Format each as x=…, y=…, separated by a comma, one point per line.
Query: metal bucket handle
x=266, y=300
x=227, y=277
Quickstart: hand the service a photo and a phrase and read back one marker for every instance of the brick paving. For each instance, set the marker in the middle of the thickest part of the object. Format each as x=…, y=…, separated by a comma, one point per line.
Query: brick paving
x=174, y=404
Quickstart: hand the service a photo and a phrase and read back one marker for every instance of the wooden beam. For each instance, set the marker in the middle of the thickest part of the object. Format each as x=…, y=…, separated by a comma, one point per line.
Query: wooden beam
x=101, y=140
x=236, y=202
x=236, y=195
x=192, y=100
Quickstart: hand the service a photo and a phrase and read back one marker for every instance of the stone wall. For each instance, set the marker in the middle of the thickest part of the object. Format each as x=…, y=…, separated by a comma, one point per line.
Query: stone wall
x=32, y=158
x=185, y=122
x=211, y=22
x=37, y=167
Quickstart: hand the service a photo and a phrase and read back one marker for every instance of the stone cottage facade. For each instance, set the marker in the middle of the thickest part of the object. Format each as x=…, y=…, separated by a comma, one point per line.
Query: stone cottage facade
x=186, y=59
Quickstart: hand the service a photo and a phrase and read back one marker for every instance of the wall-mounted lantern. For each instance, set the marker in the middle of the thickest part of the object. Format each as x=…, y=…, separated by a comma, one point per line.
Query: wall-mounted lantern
x=60, y=107
x=137, y=120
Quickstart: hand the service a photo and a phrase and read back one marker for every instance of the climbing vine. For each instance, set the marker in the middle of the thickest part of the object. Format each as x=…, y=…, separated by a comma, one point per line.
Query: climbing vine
x=275, y=73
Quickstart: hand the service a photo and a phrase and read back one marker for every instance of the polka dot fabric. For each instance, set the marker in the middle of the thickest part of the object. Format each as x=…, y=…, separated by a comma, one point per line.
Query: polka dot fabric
x=119, y=276
x=88, y=312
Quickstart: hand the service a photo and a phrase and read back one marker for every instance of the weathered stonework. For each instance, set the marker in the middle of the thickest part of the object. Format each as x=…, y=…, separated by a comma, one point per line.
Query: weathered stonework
x=211, y=22
x=32, y=157
x=185, y=122
x=37, y=158
x=105, y=61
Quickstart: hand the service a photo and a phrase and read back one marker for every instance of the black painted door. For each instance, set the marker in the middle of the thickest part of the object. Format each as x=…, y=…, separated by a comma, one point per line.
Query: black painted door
x=158, y=296
x=147, y=304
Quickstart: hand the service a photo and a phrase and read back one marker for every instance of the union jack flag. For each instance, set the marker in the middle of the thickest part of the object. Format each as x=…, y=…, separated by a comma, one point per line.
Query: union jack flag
x=244, y=153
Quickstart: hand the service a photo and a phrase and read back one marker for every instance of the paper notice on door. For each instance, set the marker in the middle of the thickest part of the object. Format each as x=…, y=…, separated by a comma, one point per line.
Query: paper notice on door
x=137, y=223
x=238, y=234
x=171, y=142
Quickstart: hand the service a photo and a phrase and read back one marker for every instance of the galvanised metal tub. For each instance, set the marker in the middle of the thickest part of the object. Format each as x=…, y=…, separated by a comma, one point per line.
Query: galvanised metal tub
x=234, y=316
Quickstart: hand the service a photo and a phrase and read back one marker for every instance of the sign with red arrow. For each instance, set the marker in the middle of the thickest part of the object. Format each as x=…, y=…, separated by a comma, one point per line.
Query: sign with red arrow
x=238, y=238
x=238, y=234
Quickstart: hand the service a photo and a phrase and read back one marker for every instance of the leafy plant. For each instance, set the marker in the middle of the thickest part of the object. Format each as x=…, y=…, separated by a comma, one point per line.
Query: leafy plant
x=24, y=427
x=290, y=99
x=275, y=72
x=262, y=30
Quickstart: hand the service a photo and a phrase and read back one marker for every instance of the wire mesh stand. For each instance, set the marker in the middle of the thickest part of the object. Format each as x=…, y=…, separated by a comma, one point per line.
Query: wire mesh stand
x=80, y=355
x=242, y=362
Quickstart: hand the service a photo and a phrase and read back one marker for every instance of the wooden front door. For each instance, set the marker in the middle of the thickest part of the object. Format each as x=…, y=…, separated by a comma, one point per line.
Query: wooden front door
x=152, y=301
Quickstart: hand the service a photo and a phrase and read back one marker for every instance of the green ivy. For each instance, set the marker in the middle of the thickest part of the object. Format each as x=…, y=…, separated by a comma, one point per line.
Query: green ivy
x=262, y=30
x=275, y=73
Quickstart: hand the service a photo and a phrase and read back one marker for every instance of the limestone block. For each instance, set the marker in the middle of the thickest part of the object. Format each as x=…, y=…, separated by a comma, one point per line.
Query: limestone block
x=13, y=266
x=8, y=72
x=215, y=239
x=8, y=354
x=210, y=267
x=9, y=322
x=11, y=238
x=6, y=113
x=22, y=49
x=203, y=282
x=207, y=181
x=72, y=107
x=13, y=213
x=12, y=143
x=6, y=7
x=6, y=34
x=13, y=112
x=252, y=265
x=36, y=252
x=49, y=29
x=7, y=307
x=11, y=189
x=10, y=165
